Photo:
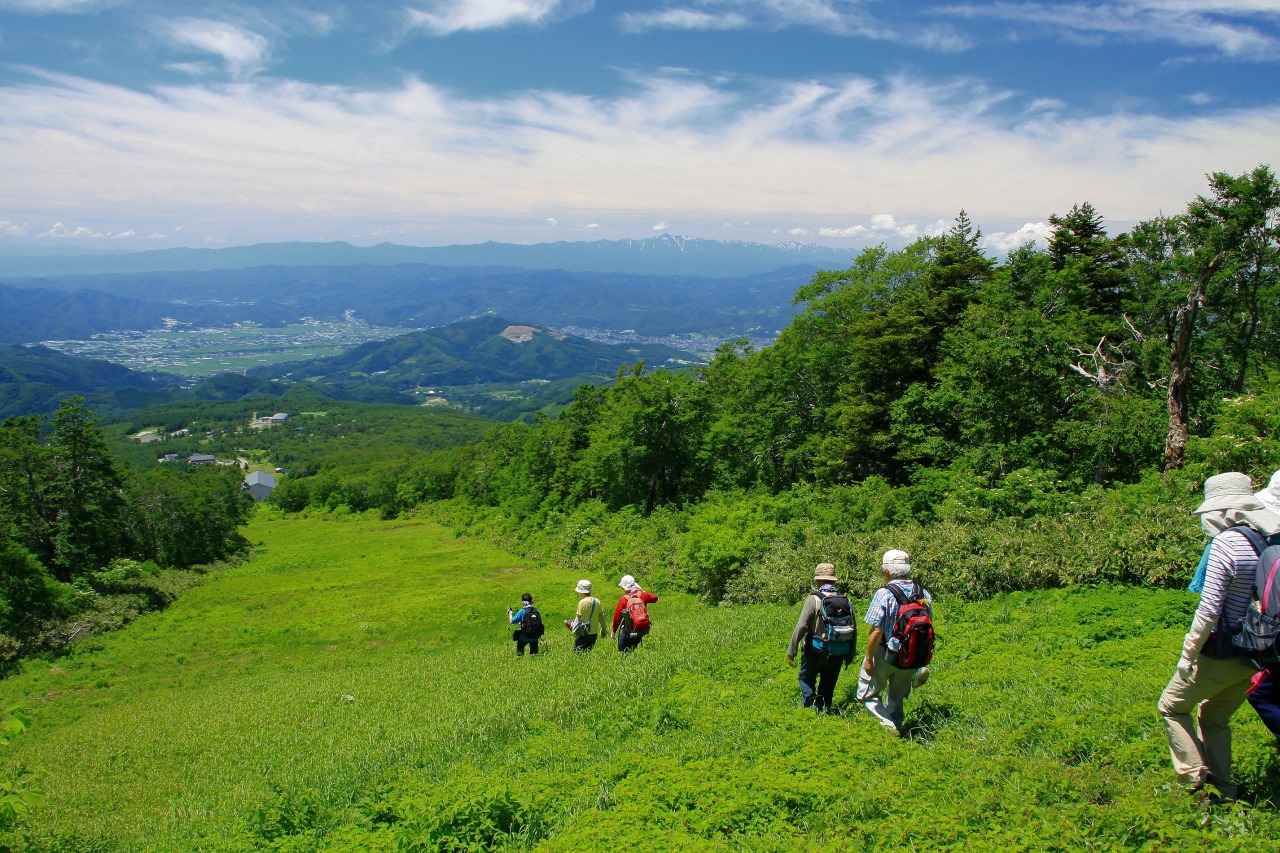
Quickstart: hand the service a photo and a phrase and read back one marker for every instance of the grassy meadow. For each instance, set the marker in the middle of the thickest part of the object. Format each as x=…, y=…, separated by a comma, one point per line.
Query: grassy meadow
x=354, y=688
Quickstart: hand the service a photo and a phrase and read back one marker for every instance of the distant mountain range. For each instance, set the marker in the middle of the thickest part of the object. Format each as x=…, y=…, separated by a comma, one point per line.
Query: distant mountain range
x=404, y=296
x=662, y=255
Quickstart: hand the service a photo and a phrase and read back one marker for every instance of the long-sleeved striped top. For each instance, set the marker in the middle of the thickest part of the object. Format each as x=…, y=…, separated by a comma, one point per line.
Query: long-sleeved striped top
x=1228, y=583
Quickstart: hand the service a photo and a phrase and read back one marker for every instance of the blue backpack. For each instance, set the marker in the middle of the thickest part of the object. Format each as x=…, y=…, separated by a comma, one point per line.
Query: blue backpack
x=1259, y=631
x=837, y=632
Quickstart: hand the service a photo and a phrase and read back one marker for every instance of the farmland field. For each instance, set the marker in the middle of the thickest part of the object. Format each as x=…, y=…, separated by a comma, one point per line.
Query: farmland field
x=354, y=687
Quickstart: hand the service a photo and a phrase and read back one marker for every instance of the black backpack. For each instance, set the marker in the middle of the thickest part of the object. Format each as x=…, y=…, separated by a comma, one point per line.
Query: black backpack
x=531, y=625
x=912, y=628
x=1259, y=631
x=837, y=632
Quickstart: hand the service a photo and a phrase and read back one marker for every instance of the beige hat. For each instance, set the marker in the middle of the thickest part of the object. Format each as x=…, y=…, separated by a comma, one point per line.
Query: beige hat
x=1232, y=490
x=583, y=587
x=824, y=572
x=1270, y=496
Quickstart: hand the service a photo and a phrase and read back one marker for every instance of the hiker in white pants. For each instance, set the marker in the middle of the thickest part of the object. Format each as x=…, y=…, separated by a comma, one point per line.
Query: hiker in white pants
x=883, y=687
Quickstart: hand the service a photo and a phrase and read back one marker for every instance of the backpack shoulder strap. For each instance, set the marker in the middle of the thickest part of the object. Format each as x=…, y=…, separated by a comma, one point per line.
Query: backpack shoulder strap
x=1255, y=538
x=896, y=593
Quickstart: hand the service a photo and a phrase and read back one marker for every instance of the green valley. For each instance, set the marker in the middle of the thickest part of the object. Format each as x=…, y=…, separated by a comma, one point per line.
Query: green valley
x=354, y=687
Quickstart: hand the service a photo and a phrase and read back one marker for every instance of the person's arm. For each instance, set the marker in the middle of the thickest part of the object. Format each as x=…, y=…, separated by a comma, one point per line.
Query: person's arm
x=648, y=597
x=873, y=641
x=802, y=628
x=617, y=612
x=517, y=616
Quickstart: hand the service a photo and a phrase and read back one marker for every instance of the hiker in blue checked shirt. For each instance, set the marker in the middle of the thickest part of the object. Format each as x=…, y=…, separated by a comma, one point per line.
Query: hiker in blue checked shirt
x=882, y=687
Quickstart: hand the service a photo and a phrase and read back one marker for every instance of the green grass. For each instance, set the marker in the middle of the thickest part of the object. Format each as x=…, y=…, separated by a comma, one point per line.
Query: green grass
x=354, y=687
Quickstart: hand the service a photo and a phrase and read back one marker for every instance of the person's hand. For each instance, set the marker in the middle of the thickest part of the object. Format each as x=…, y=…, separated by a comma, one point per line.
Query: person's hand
x=869, y=666
x=791, y=660
x=1186, y=667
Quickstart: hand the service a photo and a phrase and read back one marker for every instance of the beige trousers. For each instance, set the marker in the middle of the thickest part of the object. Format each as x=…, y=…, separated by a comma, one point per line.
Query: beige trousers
x=1197, y=714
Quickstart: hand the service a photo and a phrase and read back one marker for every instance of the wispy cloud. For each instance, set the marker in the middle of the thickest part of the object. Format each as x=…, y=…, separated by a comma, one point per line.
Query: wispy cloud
x=46, y=7
x=444, y=17
x=242, y=51
x=1228, y=27
x=280, y=155
x=14, y=229
x=836, y=17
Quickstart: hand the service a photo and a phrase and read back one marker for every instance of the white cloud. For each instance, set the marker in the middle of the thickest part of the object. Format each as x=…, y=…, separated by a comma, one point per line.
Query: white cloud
x=661, y=226
x=13, y=229
x=444, y=17
x=242, y=52
x=42, y=7
x=835, y=17
x=798, y=232
x=1005, y=242
x=592, y=226
x=552, y=222
x=268, y=156
x=1225, y=26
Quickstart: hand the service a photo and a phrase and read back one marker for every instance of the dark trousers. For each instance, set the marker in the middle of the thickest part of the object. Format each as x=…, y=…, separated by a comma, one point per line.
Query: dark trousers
x=584, y=643
x=628, y=639
x=818, y=675
x=521, y=642
x=1266, y=701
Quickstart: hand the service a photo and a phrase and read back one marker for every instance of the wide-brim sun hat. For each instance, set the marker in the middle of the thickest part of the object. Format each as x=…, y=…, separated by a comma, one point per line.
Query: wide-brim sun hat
x=628, y=583
x=1231, y=490
x=583, y=587
x=824, y=572
x=1270, y=496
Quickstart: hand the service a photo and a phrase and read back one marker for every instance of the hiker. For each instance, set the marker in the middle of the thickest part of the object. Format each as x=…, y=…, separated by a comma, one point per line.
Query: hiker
x=529, y=620
x=588, y=620
x=1210, y=680
x=824, y=651
x=631, y=616
x=1264, y=695
x=888, y=674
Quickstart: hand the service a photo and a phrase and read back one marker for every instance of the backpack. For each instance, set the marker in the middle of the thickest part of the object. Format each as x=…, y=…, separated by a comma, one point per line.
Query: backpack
x=913, y=630
x=1259, y=631
x=637, y=612
x=837, y=631
x=531, y=625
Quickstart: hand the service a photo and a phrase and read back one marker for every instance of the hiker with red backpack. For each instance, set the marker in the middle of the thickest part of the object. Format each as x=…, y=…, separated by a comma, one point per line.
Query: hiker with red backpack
x=830, y=635
x=631, y=616
x=1213, y=675
x=901, y=642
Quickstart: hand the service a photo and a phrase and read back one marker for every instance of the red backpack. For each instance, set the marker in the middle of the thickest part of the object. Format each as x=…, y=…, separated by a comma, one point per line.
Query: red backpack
x=913, y=630
x=637, y=612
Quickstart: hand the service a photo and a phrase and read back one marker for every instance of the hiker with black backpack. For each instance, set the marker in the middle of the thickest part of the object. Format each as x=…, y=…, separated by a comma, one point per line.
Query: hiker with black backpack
x=901, y=642
x=1212, y=674
x=631, y=616
x=830, y=635
x=529, y=621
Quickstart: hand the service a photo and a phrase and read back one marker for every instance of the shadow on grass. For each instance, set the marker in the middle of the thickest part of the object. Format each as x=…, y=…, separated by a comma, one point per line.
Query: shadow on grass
x=927, y=720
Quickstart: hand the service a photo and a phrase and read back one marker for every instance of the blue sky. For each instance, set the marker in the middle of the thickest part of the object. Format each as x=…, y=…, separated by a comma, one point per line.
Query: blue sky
x=143, y=124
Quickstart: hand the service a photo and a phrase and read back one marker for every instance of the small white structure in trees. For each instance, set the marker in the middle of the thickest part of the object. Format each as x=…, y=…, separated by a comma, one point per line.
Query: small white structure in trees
x=260, y=485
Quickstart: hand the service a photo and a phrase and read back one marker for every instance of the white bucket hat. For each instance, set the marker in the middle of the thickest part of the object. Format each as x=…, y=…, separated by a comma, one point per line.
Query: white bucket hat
x=1231, y=490
x=583, y=587
x=628, y=583
x=1270, y=496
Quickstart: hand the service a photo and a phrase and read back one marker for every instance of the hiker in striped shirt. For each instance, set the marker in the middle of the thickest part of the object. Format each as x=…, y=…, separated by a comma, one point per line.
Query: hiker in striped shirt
x=1210, y=681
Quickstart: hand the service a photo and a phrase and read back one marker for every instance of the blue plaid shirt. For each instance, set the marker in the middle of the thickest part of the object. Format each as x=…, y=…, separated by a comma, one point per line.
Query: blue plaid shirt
x=883, y=609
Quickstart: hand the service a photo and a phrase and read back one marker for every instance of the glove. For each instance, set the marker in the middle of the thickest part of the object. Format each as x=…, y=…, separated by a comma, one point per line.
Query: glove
x=1201, y=627
x=1187, y=666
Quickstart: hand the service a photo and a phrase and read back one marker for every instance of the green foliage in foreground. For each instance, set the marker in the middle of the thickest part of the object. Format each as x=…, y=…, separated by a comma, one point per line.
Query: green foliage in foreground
x=354, y=688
